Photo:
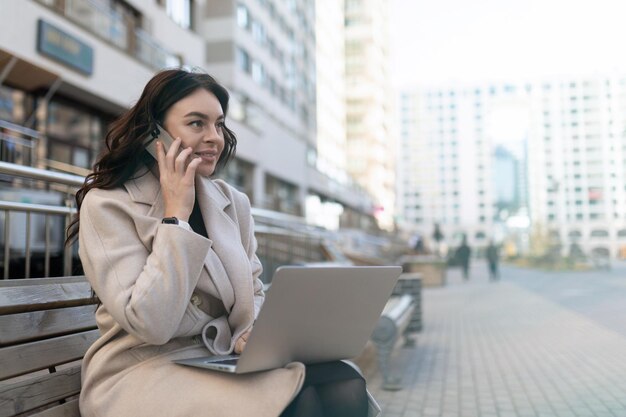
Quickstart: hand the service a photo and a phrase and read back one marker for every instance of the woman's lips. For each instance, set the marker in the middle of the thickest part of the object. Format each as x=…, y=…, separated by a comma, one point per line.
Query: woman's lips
x=207, y=156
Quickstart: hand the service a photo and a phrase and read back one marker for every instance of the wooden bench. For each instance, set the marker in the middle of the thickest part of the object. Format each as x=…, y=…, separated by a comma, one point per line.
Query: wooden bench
x=46, y=326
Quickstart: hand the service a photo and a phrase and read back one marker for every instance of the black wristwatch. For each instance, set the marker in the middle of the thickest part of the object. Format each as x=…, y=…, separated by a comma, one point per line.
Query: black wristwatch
x=169, y=220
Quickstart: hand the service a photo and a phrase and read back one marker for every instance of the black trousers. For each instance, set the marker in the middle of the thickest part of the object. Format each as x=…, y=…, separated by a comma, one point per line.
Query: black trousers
x=332, y=389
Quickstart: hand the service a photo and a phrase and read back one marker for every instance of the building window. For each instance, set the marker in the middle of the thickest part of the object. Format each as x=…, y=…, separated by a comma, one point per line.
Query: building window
x=258, y=33
x=599, y=232
x=74, y=134
x=258, y=73
x=243, y=60
x=243, y=17
x=180, y=12
x=281, y=196
x=239, y=173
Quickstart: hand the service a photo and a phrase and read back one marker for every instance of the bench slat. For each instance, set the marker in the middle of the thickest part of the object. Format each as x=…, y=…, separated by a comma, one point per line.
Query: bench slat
x=36, y=392
x=21, y=299
x=69, y=409
x=21, y=359
x=26, y=327
x=38, y=281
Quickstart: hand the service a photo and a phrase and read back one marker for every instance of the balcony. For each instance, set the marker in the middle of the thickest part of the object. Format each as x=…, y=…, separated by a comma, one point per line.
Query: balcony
x=116, y=29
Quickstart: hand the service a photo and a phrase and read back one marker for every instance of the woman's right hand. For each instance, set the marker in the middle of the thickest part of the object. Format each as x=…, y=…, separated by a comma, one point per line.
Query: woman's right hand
x=177, y=179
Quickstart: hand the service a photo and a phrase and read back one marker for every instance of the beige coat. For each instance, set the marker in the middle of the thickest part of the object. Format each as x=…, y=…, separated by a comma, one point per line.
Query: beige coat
x=160, y=285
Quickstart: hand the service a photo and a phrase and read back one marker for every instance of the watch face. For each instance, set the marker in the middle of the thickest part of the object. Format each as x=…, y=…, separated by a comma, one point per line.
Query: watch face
x=170, y=220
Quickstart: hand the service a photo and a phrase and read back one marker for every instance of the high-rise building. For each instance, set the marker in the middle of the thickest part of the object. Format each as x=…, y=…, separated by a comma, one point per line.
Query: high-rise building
x=370, y=103
x=331, y=88
x=264, y=52
x=563, y=161
x=577, y=161
x=334, y=198
x=68, y=68
x=449, y=171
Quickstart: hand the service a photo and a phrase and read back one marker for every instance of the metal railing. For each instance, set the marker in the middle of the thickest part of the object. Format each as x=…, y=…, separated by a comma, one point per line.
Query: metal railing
x=152, y=53
x=28, y=210
x=283, y=239
x=99, y=19
x=18, y=144
x=31, y=230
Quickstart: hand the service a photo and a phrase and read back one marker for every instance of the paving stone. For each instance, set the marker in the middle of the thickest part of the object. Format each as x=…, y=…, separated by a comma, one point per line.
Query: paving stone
x=533, y=344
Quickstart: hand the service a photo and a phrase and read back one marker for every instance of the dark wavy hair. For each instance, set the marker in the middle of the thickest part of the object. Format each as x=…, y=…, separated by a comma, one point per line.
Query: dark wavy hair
x=125, y=153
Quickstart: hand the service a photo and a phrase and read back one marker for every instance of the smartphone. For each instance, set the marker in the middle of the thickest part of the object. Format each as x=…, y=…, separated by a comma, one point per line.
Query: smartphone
x=163, y=136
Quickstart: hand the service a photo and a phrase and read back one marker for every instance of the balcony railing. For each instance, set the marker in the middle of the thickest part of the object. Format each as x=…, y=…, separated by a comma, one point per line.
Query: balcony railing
x=18, y=144
x=98, y=18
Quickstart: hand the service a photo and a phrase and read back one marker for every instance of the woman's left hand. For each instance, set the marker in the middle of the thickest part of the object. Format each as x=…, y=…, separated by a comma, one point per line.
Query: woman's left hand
x=240, y=344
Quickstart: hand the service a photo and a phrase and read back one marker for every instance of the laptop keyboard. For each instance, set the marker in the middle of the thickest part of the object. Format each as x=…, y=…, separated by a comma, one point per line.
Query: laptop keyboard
x=230, y=361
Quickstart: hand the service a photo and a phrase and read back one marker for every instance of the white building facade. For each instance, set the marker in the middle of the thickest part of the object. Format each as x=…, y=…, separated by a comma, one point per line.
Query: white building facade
x=577, y=162
x=371, y=116
x=566, y=154
x=68, y=68
x=445, y=165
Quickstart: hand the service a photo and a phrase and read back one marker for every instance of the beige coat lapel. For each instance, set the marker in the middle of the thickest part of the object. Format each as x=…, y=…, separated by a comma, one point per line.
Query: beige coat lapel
x=218, y=224
x=228, y=262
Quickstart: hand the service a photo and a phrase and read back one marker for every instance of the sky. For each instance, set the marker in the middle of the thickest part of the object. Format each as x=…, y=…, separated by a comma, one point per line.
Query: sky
x=471, y=41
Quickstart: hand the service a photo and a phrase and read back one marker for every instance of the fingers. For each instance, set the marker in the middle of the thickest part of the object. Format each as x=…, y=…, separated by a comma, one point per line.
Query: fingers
x=170, y=156
x=160, y=153
x=190, y=173
x=181, y=160
x=240, y=344
x=175, y=161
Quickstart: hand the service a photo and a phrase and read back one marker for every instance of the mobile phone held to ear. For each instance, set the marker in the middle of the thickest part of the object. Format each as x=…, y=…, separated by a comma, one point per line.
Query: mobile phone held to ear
x=160, y=134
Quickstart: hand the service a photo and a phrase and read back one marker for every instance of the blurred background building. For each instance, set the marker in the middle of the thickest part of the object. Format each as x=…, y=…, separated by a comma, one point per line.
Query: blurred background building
x=577, y=161
x=69, y=67
x=446, y=167
x=371, y=117
x=507, y=160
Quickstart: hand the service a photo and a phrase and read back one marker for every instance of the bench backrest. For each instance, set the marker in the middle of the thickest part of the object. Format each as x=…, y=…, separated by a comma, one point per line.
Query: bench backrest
x=46, y=325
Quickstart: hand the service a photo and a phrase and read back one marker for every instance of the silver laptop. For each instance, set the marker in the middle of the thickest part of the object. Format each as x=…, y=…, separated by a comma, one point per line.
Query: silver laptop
x=311, y=315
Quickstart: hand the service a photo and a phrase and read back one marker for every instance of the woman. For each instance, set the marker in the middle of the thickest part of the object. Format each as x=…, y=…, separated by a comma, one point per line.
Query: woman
x=170, y=253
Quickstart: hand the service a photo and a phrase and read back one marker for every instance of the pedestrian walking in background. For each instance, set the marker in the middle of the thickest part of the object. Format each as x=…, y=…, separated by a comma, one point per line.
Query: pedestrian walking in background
x=493, y=257
x=463, y=254
x=438, y=238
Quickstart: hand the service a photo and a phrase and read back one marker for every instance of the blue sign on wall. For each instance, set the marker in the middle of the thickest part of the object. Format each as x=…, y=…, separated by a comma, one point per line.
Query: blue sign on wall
x=64, y=48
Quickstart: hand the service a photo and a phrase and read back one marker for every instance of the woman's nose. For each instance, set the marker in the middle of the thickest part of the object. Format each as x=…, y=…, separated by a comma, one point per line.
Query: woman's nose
x=211, y=134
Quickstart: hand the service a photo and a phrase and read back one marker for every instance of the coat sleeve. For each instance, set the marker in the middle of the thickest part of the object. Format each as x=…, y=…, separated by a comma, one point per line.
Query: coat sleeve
x=257, y=268
x=146, y=292
x=250, y=243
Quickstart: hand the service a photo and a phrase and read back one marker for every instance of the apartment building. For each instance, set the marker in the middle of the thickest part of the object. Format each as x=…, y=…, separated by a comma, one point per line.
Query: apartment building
x=577, y=162
x=566, y=168
x=69, y=67
x=370, y=104
x=455, y=168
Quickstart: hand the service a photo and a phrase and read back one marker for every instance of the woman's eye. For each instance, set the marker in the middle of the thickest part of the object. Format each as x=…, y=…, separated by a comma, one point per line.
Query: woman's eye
x=196, y=123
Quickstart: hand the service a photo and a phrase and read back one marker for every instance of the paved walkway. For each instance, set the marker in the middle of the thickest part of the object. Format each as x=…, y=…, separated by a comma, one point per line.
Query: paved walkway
x=518, y=347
